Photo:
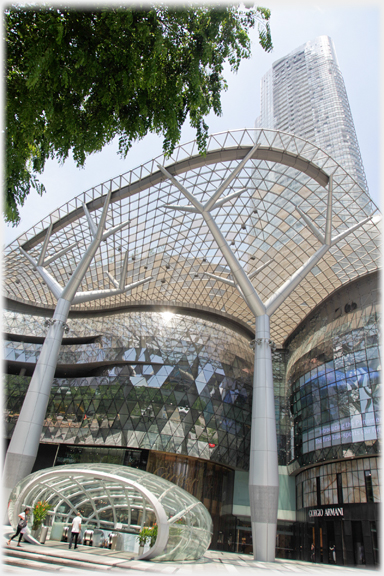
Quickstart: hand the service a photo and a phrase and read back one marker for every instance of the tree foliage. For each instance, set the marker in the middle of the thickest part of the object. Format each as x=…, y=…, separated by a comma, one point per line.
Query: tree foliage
x=78, y=78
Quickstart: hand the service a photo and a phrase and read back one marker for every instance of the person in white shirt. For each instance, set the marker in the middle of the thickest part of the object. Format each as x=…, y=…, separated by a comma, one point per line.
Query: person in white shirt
x=75, y=530
x=21, y=527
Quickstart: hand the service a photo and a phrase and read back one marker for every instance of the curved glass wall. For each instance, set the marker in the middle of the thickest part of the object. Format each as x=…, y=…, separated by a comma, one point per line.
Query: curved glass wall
x=122, y=499
x=334, y=377
x=151, y=380
x=209, y=482
x=347, y=482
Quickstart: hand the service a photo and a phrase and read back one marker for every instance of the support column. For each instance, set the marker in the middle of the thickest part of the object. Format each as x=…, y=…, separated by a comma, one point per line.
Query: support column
x=22, y=450
x=263, y=468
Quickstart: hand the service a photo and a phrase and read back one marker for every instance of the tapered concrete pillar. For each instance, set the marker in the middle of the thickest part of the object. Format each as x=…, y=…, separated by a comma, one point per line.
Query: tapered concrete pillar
x=25, y=440
x=263, y=468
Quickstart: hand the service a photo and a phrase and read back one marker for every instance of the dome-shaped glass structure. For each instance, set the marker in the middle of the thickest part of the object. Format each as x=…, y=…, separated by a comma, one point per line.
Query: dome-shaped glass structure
x=121, y=500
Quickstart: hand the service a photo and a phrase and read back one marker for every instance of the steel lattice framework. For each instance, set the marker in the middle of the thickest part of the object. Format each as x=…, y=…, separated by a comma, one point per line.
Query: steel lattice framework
x=106, y=493
x=262, y=225
x=291, y=213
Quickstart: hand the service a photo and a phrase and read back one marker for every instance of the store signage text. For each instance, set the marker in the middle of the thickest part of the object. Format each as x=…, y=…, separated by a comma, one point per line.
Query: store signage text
x=326, y=512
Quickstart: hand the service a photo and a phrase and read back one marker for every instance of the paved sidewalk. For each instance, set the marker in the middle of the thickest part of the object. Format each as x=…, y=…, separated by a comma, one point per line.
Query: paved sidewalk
x=55, y=557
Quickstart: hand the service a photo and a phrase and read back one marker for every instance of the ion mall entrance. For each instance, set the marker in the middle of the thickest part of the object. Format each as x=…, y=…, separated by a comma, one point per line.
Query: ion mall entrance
x=326, y=542
x=340, y=541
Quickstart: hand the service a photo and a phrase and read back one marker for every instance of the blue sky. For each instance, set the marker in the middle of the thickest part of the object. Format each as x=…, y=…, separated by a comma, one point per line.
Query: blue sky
x=353, y=27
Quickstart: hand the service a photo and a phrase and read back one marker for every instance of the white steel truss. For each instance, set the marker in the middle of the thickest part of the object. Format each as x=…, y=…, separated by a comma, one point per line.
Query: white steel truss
x=260, y=224
x=22, y=450
x=263, y=468
x=294, y=222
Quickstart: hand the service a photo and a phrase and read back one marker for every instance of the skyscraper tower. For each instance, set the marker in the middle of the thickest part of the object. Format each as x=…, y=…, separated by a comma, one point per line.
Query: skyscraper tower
x=304, y=94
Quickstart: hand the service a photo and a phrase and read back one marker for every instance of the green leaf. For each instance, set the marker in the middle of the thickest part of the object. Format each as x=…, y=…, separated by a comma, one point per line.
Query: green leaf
x=75, y=79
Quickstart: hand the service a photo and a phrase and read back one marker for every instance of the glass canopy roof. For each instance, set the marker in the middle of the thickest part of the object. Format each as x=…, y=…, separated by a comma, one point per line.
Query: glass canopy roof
x=261, y=226
x=113, y=497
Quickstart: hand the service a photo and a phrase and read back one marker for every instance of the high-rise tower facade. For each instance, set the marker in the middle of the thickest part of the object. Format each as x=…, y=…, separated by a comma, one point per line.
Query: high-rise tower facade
x=304, y=94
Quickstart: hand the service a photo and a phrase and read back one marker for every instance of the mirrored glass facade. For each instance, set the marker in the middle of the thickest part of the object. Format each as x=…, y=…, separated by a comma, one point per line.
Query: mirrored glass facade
x=170, y=383
x=164, y=382
x=334, y=377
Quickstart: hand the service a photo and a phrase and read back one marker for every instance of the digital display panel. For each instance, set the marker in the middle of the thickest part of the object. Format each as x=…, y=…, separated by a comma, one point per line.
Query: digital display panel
x=337, y=403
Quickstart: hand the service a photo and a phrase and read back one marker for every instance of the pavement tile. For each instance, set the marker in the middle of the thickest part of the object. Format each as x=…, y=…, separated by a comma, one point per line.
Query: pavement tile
x=213, y=563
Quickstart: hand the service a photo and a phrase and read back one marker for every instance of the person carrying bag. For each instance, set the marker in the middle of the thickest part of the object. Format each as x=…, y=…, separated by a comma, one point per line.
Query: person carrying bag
x=21, y=527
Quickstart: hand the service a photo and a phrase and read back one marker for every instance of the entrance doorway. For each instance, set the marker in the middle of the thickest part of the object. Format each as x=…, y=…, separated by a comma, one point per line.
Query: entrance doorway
x=358, y=542
x=331, y=543
x=244, y=539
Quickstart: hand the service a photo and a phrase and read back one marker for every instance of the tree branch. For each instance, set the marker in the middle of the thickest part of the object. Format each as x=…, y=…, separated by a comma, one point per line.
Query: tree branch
x=81, y=297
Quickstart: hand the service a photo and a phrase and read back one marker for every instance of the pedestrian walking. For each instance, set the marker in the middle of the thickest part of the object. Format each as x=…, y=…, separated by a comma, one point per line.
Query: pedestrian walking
x=332, y=550
x=21, y=527
x=230, y=542
x=313, y=552
x=75, y=529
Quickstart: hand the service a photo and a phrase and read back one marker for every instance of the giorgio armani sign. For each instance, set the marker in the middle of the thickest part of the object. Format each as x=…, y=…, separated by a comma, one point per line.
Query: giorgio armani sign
x=318, y=512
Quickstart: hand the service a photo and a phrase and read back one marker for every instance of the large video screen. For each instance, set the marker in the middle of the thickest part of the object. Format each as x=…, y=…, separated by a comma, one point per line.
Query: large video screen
x=338, y=402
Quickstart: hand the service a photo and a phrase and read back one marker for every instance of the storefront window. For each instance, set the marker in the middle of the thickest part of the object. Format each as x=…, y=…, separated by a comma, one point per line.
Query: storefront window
x=339, y=481
x=374, y=542
x=210, y=483
x=343, y=482
x=368, y=485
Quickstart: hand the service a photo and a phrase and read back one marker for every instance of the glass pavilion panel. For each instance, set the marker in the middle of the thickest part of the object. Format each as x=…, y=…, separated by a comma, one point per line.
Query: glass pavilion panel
x=106, y=502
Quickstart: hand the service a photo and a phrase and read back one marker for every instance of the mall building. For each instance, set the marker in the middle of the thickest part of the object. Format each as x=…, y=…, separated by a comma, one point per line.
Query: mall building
x=159, y=378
